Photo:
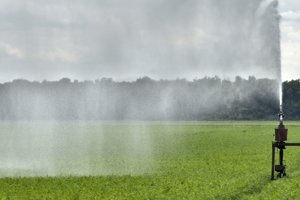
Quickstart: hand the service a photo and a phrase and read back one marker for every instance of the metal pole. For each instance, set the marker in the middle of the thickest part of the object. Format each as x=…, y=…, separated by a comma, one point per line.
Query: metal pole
x=281, y=156
x=292, y=144
x=273, y=160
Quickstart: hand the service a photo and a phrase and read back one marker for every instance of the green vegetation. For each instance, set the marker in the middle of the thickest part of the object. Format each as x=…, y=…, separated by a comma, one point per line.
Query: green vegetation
x=208, y=98
x=291, y=96
x=205, y=160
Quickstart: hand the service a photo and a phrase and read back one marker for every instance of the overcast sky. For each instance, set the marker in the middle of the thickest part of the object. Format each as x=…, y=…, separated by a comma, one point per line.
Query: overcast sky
x=125, y=40
x=290, y=41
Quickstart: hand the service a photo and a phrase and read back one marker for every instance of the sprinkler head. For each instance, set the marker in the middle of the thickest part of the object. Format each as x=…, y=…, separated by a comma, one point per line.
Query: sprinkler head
x=281, y=116
x=281, y=131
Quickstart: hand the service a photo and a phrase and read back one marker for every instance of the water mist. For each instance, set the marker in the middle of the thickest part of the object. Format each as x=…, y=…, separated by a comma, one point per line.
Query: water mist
x=48, y=129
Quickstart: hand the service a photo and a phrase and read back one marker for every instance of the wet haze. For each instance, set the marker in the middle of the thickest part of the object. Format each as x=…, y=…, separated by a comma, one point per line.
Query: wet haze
x=125, y=40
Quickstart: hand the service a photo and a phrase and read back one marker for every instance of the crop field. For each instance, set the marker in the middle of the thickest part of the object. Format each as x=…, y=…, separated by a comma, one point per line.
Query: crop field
x=145, y=160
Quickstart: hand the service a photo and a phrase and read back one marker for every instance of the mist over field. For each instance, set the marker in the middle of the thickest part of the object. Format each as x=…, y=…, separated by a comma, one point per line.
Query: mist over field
x=56, y=126
x=143, y=99
x=169, y=39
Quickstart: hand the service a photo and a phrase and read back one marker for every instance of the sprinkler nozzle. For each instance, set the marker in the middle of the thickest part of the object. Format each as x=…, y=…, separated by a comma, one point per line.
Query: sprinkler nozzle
x=281, y=131
x=281, y=115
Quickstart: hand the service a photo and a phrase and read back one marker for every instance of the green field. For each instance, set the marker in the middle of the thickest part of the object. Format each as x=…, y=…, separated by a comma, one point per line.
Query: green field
x=171, y=160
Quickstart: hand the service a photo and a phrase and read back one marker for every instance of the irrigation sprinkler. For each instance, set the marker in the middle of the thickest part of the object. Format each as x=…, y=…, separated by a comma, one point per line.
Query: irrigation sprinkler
x=280, y=138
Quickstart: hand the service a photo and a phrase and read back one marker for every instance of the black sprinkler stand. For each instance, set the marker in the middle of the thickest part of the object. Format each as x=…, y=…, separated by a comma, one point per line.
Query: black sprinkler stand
x=280, y=138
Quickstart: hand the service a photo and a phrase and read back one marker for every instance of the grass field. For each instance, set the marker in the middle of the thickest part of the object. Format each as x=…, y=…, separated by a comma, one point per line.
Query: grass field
x=184, y=160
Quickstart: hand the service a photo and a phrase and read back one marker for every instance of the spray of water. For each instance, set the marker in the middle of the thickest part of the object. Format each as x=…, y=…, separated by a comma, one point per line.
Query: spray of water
x=280, y=72
x=268, y=9
x=279, y=65
x=280, y=97
x=165, y=40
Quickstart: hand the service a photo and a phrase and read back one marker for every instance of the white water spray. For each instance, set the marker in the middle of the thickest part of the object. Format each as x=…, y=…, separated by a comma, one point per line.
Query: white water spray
x=161, y=39
x=267, y=9
x=280, y=96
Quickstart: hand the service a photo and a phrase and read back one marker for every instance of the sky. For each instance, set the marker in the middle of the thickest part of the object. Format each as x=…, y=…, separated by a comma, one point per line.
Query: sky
x=165, y=39
x=290, y=38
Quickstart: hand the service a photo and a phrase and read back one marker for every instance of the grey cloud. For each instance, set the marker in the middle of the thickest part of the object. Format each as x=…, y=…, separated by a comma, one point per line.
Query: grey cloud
x=129, y=39
x=286, y=5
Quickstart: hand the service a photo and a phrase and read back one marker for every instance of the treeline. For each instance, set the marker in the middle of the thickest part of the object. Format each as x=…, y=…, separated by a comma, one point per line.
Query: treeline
x=147, y=99
x=291, y=99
